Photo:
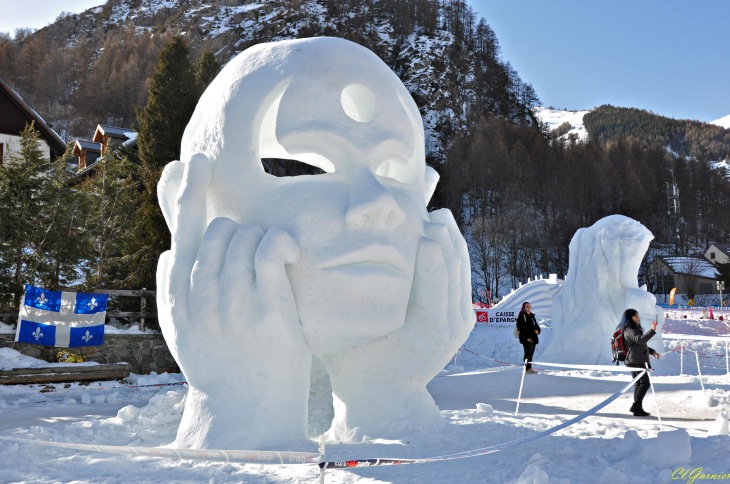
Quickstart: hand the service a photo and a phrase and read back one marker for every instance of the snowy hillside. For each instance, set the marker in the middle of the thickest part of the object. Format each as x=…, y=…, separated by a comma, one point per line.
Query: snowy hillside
x=554, y=118
x=723, y=122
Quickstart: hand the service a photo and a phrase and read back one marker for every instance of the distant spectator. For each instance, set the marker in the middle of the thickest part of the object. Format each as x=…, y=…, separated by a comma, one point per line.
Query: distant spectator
x=528, y=329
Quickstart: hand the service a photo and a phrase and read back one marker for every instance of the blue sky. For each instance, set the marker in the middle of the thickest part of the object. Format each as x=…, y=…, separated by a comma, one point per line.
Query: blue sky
x=669, y=56
x=672, y=57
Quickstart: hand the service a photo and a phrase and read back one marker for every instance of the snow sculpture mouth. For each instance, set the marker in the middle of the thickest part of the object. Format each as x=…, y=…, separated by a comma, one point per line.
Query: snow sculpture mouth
x=374, y=255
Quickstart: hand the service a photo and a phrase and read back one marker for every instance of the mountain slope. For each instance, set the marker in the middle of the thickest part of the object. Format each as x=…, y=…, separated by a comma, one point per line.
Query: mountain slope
x=692, y=138
x=448, y=61
x=722, y=122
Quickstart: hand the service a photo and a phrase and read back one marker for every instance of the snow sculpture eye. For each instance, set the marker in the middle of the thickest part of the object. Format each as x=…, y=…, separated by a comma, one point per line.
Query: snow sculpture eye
x=359, y=103
x=275, y=160
x=282, y=167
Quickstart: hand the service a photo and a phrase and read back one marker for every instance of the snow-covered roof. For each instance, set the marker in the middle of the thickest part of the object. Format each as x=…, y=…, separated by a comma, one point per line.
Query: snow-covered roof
x=696, y=266
x=88, y=145
x=114, y=132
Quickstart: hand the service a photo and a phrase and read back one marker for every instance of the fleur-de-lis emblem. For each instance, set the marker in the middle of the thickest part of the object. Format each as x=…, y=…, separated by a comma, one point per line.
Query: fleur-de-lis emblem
x=37, y=334
x=87, y=337
x=42, y=299
x=93, y=303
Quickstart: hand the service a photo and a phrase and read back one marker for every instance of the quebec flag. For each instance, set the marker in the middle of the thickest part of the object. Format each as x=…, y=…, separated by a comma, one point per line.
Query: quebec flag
x=61, y=319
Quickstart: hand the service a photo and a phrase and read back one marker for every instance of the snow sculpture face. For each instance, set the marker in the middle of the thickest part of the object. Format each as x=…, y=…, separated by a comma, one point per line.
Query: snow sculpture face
x=325, y=103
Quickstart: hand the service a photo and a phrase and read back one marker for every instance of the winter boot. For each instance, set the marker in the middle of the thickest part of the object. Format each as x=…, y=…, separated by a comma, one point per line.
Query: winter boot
x=640, y=412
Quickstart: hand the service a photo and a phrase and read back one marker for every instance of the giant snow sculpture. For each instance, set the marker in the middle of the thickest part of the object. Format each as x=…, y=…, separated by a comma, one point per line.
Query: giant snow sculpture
x=602, y=283
x=348, y=265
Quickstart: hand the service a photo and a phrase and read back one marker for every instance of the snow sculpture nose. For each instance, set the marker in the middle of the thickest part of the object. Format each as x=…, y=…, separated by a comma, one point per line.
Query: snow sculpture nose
x=373, y=207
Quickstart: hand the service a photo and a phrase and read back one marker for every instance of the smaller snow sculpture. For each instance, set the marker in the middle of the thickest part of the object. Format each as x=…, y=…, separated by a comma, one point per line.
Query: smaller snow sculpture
x=602, y=283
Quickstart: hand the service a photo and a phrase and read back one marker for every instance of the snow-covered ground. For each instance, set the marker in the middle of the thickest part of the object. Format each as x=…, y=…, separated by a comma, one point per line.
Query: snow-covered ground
x=596, y=449
x=554, y=118
x=724, y=122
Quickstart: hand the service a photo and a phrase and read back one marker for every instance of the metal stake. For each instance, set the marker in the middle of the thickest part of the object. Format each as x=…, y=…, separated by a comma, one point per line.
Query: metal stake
x=524, y=370
x=656, y=403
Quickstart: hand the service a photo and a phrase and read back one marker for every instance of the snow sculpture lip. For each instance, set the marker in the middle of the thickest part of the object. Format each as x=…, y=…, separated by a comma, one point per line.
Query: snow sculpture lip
x=376, y=254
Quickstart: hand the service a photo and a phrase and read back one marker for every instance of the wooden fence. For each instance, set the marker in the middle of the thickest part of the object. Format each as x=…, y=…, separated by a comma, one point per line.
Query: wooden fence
x=142, y=294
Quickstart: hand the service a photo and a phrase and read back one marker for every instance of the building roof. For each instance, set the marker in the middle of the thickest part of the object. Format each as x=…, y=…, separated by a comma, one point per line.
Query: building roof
x=57, y=146
x=103, y=130
x=695, y=266
x=84, y=145
x=725, y=248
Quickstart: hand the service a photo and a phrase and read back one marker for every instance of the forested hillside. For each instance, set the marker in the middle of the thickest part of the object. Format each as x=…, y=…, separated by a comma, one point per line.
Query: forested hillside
x=94, y=67
x=692, y=138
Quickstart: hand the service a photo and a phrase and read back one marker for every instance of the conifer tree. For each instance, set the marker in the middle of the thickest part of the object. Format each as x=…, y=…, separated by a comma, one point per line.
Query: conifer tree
x=62, y=244
x=21, y=206
x=174, y=93
x=206, y=69
x=111, y=201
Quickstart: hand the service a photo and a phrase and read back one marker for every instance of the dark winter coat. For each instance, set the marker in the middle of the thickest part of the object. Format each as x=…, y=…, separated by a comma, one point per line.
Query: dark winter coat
x=635, y=343
x=526, y=325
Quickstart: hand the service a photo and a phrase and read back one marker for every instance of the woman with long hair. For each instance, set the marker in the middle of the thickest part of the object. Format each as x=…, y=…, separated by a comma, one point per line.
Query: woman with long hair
x=637, y=355
x=528, y=330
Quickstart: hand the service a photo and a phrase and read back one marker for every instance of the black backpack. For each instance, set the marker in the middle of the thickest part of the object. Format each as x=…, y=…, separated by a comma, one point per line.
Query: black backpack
x=617, y=346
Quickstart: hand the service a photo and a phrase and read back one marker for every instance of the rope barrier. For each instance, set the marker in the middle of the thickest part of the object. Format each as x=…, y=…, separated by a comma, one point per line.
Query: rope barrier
x=477, y=452
x=486, y=357
x=241, y=456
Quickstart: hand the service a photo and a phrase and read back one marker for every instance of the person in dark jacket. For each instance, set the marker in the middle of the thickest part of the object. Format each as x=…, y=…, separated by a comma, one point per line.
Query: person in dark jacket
x=637, y=355
x=528, y=330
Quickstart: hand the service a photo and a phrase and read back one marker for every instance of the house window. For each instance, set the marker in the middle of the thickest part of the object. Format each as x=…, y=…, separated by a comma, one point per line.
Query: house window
x=712, y=256
x=705, y=288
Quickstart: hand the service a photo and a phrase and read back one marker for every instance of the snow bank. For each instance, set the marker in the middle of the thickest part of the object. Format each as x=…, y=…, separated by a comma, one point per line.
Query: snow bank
x=601, y=284
x=668, y=449
x=11, y=359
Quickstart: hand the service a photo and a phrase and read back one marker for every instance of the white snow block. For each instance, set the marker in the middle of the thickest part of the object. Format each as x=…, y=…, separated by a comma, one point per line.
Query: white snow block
x=669, y=449
x=720, y=425
x=533, y=475
x=349, y=266
x=601, y=284
x=484, y=409
x=613, y=476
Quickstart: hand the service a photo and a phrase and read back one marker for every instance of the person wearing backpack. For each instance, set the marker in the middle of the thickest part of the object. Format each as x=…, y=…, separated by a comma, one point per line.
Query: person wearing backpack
x=637, y=355
x=528, y=329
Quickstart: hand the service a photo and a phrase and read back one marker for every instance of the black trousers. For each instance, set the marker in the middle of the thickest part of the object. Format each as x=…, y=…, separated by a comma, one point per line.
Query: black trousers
x=529, y=351
x=640, y=388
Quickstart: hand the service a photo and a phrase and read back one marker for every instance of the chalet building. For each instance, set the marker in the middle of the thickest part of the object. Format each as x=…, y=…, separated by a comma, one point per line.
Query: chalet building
x=690, y=275
x=15, y=114
x=111, y=136
x=718, y=253
x=87, y=152
x=106, y=140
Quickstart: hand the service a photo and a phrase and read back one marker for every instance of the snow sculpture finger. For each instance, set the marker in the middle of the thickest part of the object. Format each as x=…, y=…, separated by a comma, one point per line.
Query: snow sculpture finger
x=602, y=283
x=367, y=277
x=225, y=301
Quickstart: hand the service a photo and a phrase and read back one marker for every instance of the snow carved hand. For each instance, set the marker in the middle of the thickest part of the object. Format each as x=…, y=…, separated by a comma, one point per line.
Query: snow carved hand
x=379, y=388
x=228, y=315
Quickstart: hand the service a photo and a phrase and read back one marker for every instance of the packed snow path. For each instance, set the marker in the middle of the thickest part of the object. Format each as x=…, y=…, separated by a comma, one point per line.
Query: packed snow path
x=580, y=453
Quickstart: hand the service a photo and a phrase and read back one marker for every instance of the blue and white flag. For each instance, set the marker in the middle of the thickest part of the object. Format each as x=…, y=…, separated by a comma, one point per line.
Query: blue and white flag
x=62, y=319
